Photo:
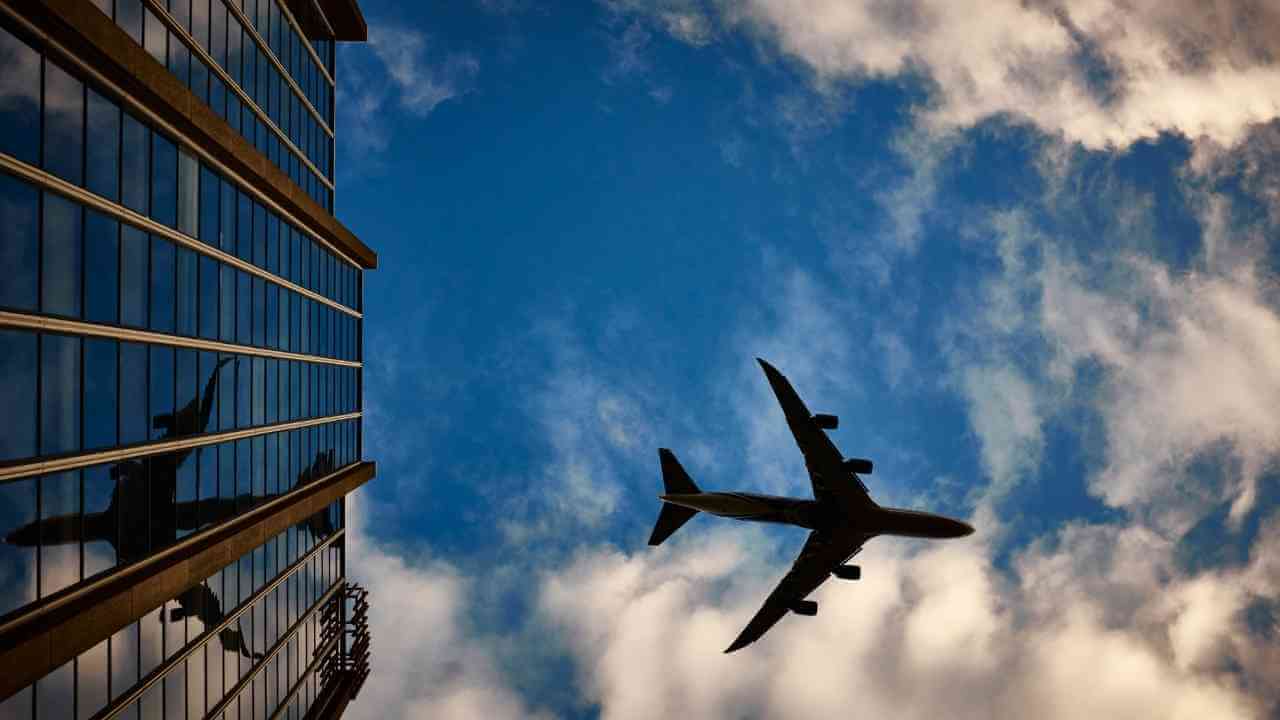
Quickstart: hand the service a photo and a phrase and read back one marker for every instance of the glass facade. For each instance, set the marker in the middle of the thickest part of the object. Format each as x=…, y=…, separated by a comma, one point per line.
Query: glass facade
x=159, y=309
x=267, y=83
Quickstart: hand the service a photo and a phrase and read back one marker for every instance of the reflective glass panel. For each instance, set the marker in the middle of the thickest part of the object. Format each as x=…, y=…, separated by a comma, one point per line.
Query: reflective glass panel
x=164, y=180
x=135, y=180
x=60, y=530
x=100, y=392
x=163, y=270
x=59, y=394
x=133, y=402
x=19, y=249
x=63, y=124
x=61, y=257
x=20, y=111
x=102, y=258
x=134, y=276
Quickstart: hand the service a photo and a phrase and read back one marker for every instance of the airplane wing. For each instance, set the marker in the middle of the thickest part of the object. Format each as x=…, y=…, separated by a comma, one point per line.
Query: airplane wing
x=825, y=463
x=822, y=552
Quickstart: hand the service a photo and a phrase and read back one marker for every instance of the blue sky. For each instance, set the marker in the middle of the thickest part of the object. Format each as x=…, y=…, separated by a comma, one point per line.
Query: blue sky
x=1025, y=256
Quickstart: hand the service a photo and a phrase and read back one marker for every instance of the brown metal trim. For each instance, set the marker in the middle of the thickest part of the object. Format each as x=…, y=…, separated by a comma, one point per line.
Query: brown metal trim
x=71, y=462
x=48, y=181
x=103, y=50
x=346, y=19
x=40, y=640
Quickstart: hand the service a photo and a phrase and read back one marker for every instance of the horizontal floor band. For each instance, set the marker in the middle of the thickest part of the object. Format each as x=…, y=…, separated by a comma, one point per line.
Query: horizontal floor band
x=41, y=639
x=46, y=323
x=49, y=181
x=71, y=462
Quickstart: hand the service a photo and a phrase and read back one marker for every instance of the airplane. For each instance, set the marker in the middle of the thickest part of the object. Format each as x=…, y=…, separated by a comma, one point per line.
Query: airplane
x=841, y=518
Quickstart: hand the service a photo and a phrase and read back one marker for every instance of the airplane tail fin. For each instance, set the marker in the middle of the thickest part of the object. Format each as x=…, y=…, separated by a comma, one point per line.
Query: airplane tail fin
x=676, y=482
x=674, y=478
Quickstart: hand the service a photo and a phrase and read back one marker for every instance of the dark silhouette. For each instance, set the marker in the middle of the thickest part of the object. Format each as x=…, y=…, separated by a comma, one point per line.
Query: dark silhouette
x=200, y=602
x=842, y=516
x=144, y=514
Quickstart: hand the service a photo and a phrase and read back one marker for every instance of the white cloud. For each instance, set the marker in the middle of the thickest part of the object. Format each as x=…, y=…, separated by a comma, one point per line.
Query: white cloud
x=429, y=659
x=422, y=85
x=1097, y=72
x=924, y=634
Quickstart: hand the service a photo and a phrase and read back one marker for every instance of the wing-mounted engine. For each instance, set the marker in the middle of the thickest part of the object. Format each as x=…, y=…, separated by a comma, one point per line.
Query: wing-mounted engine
x=847, y=572
x=808, y=608
x=860, y=466
x=826, y=422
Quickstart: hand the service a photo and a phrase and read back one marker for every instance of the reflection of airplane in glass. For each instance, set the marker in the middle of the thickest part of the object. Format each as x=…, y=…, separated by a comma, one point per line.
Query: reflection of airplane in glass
x=145, y=515
x=200, y=602
x=842, y=516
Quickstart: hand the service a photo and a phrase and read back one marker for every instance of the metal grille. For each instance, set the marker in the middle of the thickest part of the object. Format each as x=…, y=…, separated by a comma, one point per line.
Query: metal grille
x=346, y=617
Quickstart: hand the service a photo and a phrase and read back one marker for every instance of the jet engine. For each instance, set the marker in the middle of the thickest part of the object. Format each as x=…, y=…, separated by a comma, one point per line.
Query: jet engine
x=826, y=422
x=862, y=466
x=847, y=572
x=808, y=608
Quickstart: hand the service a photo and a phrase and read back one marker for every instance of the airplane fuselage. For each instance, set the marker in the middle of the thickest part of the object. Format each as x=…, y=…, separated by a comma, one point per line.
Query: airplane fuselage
x=815, y=515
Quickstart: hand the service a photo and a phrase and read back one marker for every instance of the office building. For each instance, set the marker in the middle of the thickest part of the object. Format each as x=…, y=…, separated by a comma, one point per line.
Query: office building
x=180, y=362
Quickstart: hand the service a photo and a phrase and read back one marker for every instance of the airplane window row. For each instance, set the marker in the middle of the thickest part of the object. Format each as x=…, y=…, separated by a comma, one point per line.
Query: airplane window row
x=106, y=674
x=69, y=261
x=80, y=136
x=67, y=393
x=63, y=528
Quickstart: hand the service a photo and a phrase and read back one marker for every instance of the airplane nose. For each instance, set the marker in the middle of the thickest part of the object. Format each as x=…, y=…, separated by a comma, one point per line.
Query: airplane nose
x=964, y=530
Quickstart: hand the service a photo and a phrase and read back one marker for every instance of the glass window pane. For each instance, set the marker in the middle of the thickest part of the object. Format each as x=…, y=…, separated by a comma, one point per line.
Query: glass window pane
x=155, y=37
x=55, y=692
x=163, y=270
x=210, y=185
x=134, y=158
x=18, y=552
x=59, y=394
x=102, y=257
x=244, y=227
x=102, y=149
x=100, y=388
x=20, y=111
x=161, y=395
x=259, y=390
x=133, y=403
x=91, y=681
x=60, y=258
x=207, y=384
x=244, y=309
x=272, y=313
x=227, y=303
x=227, y=234
x=60, y=530
x=185, y=310
x=20, y=249
x=129, y=17
x=259, y=235
x=208, y=471
x=63, y=124
x=164, y=181
x=188, y=193
x=208, y=297
x=243, y=391
x=101, y=522
x=259, y=311
x=218, y=32
x=187, y=401
x=134, y=280
x=227, y=393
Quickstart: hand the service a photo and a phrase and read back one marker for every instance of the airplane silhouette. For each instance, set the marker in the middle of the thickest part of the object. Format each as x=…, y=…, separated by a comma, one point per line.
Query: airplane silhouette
x=841, y=518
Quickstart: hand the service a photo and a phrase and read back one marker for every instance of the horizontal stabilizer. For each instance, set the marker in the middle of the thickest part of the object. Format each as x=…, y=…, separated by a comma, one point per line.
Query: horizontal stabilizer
x=676, y=482
x=670, y=520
